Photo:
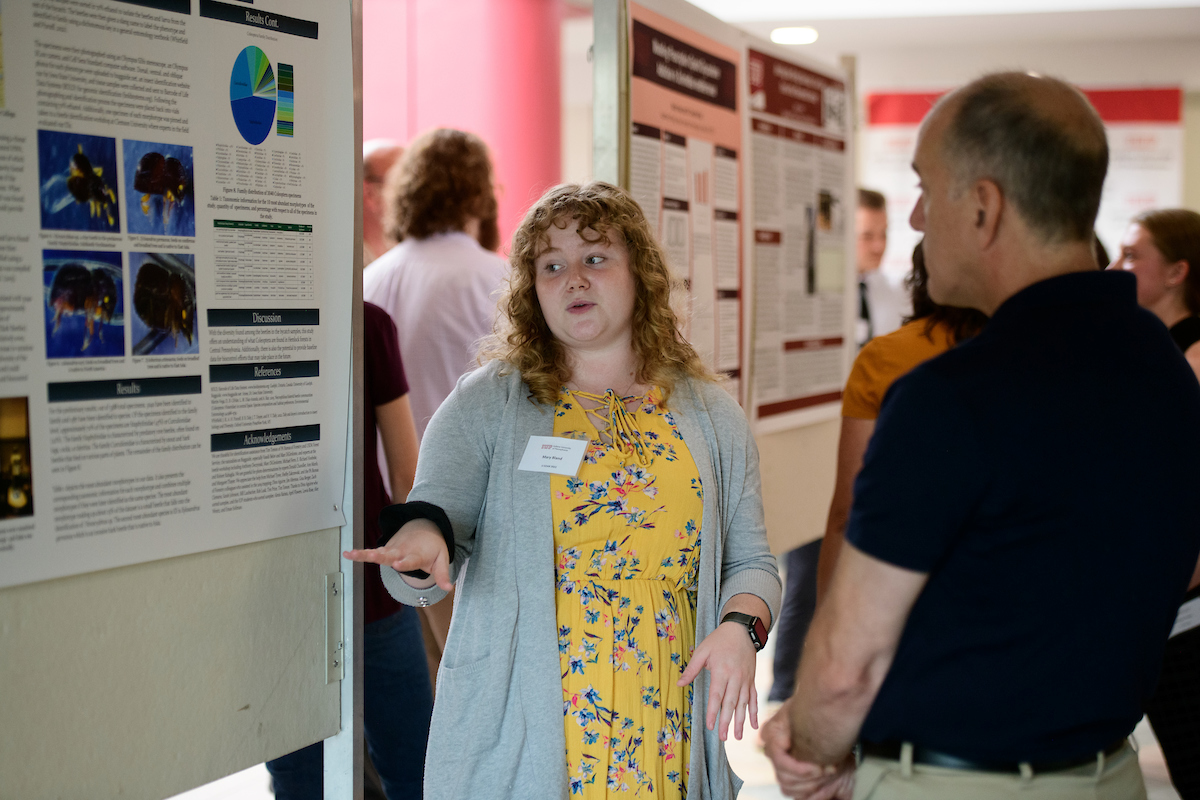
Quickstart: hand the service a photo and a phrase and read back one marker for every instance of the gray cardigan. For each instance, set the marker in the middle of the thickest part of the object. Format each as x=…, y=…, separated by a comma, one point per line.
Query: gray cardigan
x=497, y=728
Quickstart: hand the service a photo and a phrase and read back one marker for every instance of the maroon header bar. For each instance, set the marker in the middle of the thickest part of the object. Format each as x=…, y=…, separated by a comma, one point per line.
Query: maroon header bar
x=768, y=237
x=813, y=344
x=667, y=61
x=784, y=406
x=788, y=90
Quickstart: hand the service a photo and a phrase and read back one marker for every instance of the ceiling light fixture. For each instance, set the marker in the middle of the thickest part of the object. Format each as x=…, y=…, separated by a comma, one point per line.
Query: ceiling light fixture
x=804, y=35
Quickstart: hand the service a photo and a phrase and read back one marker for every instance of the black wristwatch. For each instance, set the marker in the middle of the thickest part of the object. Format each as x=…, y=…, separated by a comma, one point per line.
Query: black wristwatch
x=754, y=626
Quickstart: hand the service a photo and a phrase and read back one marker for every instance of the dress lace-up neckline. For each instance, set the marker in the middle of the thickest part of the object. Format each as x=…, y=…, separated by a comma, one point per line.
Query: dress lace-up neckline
x=621, y=430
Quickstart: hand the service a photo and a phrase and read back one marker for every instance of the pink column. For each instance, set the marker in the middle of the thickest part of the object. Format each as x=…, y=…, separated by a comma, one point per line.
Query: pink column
x=486, y=66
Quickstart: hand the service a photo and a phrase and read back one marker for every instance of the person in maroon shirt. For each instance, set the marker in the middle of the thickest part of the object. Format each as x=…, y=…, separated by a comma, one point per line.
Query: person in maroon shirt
x=397, y=700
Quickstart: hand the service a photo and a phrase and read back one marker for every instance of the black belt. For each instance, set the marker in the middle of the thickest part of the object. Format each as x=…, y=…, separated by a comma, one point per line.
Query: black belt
x=935, y=758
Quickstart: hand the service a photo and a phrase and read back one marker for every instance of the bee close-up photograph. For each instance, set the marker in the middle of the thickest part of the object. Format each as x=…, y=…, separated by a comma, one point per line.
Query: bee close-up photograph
x=85, y=306
x=78, y=182
x=164, y=304
x=158, y=189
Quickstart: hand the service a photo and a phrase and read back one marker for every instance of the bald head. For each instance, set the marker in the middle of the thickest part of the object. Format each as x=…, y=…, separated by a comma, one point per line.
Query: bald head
x=378, y=157
x=1036, y=138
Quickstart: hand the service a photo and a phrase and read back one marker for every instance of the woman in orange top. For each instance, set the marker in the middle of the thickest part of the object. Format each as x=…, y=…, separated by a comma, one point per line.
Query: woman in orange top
x=930, y=331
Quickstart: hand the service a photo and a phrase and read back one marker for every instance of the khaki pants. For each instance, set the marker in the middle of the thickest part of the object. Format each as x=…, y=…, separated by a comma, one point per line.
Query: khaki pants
x=1116, y=777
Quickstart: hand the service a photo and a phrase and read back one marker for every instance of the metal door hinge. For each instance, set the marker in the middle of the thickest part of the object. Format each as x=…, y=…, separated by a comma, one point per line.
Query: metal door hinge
x=335, y=645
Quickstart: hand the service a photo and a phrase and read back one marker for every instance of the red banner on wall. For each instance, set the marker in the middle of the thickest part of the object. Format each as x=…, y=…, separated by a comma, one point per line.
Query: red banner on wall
x=1113, y=105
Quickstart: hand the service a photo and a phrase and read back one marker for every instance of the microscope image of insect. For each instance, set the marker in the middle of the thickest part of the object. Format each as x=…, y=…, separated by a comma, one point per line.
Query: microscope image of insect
x=84, y=304
x=164, y=304
x=78, y=188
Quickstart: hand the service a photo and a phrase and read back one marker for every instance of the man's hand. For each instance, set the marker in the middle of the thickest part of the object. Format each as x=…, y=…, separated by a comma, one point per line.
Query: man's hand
x=417, y=545
x=801, y=779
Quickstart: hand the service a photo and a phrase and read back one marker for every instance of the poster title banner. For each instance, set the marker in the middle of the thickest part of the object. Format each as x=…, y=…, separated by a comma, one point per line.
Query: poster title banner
x=669, y=62
x=794, y=92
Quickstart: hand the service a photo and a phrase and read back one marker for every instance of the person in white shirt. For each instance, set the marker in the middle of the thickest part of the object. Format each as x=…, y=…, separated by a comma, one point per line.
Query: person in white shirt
x=882, y=304
x=439, y=283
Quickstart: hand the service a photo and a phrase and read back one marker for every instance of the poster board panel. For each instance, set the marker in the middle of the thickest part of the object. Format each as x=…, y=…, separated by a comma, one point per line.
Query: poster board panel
x=801, y=156
x=174, y=278
x=685, y=168
x=144, y=681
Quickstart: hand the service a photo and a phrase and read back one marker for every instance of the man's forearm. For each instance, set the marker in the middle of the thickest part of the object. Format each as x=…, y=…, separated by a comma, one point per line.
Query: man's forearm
x=848, y=652
x=829, y=705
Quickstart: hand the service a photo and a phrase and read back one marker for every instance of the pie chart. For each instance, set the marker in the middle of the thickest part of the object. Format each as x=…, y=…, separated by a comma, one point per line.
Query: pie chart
x=252, y=94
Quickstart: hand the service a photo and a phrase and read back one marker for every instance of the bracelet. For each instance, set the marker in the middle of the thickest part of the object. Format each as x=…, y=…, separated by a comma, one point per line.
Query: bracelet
x=393, y=518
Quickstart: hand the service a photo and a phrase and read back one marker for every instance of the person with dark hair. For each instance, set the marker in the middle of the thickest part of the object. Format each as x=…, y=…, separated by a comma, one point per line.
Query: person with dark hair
x=881, y=309
x=1162, y=249
x=996, y=619
x=881, y=306
x=932, y=329
x=397, y=701
x=438, y=284
x=596, y=494
x=1101, y=253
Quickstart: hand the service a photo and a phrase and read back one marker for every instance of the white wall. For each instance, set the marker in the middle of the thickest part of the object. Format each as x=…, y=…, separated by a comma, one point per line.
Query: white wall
x=1093, y=65
x=1100, y=65
x=576, y=100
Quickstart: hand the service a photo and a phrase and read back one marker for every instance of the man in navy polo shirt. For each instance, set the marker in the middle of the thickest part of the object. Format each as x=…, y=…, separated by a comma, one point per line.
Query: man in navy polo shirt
x=1025, y=522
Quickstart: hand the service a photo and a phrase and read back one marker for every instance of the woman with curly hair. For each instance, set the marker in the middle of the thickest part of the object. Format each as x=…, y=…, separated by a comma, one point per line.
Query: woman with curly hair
x=438, y=284
x=596, y=495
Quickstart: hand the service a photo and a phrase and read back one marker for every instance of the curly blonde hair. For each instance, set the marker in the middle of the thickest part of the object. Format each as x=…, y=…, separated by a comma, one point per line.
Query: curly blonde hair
x=523, y=340
x=443, y=178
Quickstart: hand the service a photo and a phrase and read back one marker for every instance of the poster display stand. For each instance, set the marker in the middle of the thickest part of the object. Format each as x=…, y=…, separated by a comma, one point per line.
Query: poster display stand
x=176, y=267
x=741, y=157
x=685, y=148
x=803, y=233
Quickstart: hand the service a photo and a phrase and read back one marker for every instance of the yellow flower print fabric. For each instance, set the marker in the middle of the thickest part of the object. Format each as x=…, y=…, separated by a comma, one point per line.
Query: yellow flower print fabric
x=627, y=538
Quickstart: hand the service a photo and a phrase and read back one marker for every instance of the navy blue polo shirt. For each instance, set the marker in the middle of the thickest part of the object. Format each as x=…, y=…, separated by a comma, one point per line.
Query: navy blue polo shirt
x=1046, y=476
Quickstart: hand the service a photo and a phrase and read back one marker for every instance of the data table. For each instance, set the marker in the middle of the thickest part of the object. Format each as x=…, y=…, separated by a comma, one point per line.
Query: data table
x=263, y=259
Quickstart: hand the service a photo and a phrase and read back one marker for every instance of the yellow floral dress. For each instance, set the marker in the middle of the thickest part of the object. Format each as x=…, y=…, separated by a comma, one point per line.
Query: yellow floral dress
x=627, y=535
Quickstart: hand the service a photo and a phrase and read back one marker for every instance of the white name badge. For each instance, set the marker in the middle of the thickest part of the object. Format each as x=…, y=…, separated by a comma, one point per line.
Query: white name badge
x=553, y=454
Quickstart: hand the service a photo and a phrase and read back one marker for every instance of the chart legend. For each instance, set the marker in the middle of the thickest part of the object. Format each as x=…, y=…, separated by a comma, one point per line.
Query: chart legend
x=285, y=119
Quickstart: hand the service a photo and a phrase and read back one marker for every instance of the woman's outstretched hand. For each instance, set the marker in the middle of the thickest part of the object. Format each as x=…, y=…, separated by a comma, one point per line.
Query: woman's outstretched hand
x=417, y=545
x=729, y=656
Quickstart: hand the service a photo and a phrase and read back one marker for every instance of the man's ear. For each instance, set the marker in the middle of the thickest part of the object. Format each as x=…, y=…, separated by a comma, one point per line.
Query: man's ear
x=988, y=200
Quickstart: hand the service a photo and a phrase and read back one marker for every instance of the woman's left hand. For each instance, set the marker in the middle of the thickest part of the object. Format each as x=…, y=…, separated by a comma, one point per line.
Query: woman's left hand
x=728, y=654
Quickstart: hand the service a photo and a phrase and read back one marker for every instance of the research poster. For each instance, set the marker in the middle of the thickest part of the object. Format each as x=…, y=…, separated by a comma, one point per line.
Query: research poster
x=176, y=261
x=1145, y=168
x=802, y=216
x=685, y=170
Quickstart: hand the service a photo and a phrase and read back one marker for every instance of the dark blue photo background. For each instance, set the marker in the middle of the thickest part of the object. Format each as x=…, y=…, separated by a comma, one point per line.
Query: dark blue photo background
x=60, y=210
x=171, y=345
x=72, y=329
x=182, y=220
